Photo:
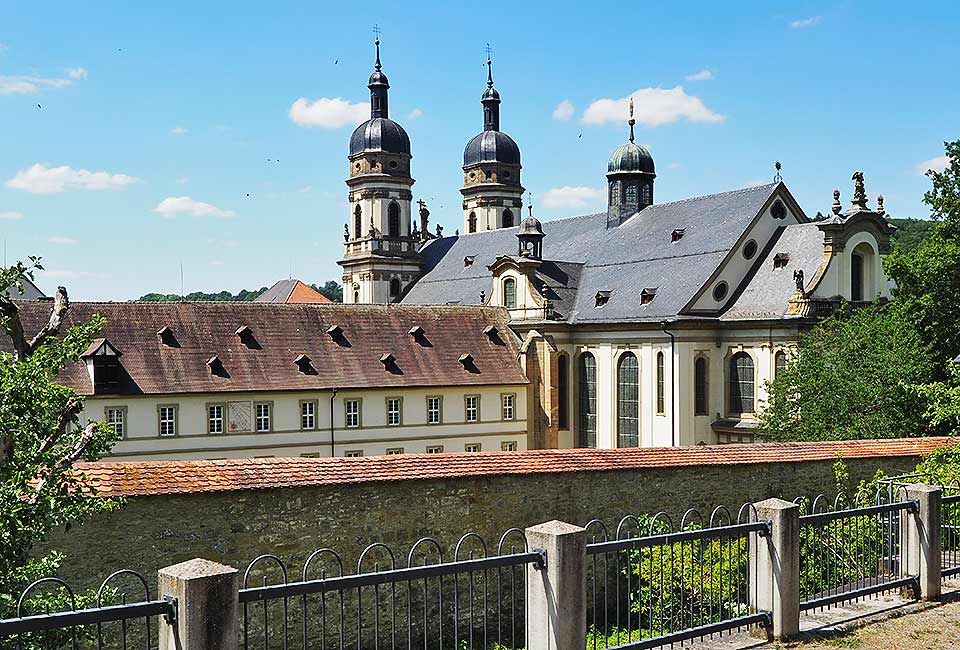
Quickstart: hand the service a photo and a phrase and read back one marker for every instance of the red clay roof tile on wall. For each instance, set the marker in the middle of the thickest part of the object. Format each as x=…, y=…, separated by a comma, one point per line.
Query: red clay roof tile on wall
x=178, y=477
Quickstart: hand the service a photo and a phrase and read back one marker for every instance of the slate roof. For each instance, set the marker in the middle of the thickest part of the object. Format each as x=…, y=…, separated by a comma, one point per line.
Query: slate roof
x=30, y=291
x=182, y=477
x=623, y=260
x=280, y=333
x=285, y=291
x=768, y=291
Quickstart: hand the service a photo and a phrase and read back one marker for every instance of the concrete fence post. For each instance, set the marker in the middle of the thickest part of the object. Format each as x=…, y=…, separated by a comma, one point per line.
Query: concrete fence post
x=776, y=580
x=557, y=593
x=923, y=545
x=207, y=606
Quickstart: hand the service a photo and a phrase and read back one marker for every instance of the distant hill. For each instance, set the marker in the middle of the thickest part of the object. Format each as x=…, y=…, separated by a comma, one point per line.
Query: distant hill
x=330, y=289
x=911, y=232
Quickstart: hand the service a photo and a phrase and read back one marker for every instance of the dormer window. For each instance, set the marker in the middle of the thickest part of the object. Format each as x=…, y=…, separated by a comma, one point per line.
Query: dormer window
x=647, y=295
x=466, y=360
x=602, y=298
x=165, y=334
x=492, y=332
x=389, y=362
x=216, y=366
x=305, y=365
x=780, y=260
x=246, y=337
x=104, y=360
x=469, y=260
x=416, y=331
x=677, y=234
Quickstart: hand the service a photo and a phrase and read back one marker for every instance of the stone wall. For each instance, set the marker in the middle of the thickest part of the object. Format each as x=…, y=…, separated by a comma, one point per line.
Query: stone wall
x=233, y=527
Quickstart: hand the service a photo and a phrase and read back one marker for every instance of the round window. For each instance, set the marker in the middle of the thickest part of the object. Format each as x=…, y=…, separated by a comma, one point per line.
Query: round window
x=357, y=166
x=720, y=291
x=393, y=164
x=750, y=249
x=473, y=175
x=506, y=174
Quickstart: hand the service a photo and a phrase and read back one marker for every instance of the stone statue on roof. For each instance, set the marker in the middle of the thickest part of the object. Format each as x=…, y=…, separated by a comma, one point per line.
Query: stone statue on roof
x=859, y=191
x=798, y=278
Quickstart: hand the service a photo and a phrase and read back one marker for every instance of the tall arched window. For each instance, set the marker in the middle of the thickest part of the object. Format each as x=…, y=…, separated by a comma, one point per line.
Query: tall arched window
x=661, y=387
x=741, y=383
x=472, y=222
x=394, y=287
x=856, y=277
x=700, y=386
x=628, y=401
x=393, y=219
x=779, y=363
x=357, y=222
x=631, y=194
x=647, y=194
x=356, y=297
x=615, y=193
x=563, y=391
x=510, y=293
x=588, y=401
x=507, y=218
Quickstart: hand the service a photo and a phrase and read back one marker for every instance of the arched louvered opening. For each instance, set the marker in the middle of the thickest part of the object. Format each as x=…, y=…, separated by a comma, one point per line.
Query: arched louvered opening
x=357, y=222
x=472, y=222
x=393, y=220
x=507, y=218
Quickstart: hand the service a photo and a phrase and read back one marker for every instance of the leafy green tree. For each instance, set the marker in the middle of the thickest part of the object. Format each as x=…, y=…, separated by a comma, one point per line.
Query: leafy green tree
x=41, y=437
x=928, y=278
x=331, y=289
x=852, y=376
x=911, y=233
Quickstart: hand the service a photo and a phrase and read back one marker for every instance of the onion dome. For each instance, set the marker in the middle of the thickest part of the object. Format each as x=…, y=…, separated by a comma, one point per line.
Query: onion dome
x=379, y=134
x=530, y=226
x=491, y=145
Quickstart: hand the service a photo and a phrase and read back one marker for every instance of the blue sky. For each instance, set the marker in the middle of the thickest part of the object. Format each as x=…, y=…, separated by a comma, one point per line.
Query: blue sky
x=156, y=120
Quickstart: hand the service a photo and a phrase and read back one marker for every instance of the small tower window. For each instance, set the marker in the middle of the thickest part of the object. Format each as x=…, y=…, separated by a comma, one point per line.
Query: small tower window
x=472, y=222
x=615, y=193
x=510, y=293
x=602, y=298
x=393, y=220
x=647, y=194
x=780, y=260
x=357, y=222
x=507, y=218
x=677, y=234
x=856, y=277
x=647, y=295
x=631, y=194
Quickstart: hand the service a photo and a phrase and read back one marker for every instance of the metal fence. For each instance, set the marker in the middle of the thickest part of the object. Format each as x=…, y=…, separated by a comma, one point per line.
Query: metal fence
x=950, y=532
x=848, y=552
x=108, y=622
x=475, y=600
x=652, y=584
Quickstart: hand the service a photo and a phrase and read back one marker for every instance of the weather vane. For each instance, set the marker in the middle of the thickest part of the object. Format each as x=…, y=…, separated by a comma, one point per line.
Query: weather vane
x=530, y=203
x=777, y=178
x=489, y=51
x=376, y=31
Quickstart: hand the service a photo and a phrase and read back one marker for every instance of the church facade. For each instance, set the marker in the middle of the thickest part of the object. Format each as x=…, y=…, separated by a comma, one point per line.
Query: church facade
x=646, y=324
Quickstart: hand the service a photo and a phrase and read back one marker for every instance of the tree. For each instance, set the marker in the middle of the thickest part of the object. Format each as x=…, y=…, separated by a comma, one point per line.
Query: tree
x=911, y=233
x=852, y=376
x=928, y=277
x=41, y=437
x=331, y=289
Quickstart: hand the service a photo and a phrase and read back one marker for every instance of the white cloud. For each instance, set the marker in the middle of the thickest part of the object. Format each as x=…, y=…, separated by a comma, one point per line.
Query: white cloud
x=564, y=111
x=216, y=262
x=41, y=179
x=11, y=214
x=805, y=22
x=571, y=197
x=181, y=181
x=937, y=164
x=179, y=130
x=19, y=85
x=77, y=73
x=67, y=241
x=174, y=205
x=328, y=113
x=415, y=114
x=653, y=107
x=703, y=75
x=674, y=165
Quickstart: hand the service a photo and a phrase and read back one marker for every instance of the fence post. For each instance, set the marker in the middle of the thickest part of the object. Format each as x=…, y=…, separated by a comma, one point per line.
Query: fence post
x=207, y=606
x=777, y=577
x=557, y=593
x=924, y=553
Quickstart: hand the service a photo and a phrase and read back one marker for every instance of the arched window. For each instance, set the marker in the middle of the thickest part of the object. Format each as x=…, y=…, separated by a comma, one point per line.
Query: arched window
x=357, y=222
x=647, y=194
x=472, y=222
x=741, y=383
x=628, y=401
x=631, y=194
x=510, y=293
x=779, y=363
x=393, y=219
x=507, y=218
x=856, y=277
x=661, y=393
x=563, y=391
x=615, y=193
x=588, y=401
x=356, y=297
x=394, y=287
x=700, y=386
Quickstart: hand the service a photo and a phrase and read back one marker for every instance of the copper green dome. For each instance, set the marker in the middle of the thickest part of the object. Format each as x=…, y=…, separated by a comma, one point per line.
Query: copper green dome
x=630, y=157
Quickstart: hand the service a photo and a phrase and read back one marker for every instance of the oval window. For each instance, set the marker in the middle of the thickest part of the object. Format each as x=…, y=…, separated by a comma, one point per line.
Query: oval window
x=393, y=164
x=750, y=249
x=506, y=174
x=720, y=291
x=357, y=166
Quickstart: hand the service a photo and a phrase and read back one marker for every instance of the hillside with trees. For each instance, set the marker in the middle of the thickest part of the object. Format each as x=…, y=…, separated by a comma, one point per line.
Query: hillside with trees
x=331, y=289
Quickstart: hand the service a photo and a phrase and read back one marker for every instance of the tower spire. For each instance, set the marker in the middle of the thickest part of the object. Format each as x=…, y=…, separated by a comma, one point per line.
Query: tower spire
x=491, y=99
x=489, y=67
x=631, y=121
x=378, y=84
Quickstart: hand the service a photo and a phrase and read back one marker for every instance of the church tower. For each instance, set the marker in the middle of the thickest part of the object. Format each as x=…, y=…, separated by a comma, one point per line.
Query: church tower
x=492, y=194
x=630, y=175
x=380, y=256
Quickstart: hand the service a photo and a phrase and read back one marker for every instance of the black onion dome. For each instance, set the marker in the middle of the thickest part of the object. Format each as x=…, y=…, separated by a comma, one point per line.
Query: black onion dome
x=530, y=226
x=378, y=79
x=381, y=135
x=491, y=146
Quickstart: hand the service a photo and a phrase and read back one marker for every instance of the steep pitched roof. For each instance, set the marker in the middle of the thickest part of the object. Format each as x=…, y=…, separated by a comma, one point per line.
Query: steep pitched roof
x=30, y=291
x=623, y=260
x=263, y=358
x=292, y=290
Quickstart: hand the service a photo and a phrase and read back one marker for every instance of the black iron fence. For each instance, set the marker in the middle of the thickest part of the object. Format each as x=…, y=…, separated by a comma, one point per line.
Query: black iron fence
x=950, y=532
x=477, y=599
x=651, y=584
x=109, y=622
x=850, y=550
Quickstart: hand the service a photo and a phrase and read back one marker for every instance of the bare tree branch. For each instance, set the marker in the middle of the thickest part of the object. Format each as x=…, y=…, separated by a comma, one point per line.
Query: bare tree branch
x=57, y=314
x=83, y=441
x=70, y=410
x=14, y=327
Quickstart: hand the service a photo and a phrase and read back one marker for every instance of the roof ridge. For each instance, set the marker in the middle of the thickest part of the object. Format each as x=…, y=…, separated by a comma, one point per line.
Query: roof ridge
x=712, y=196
